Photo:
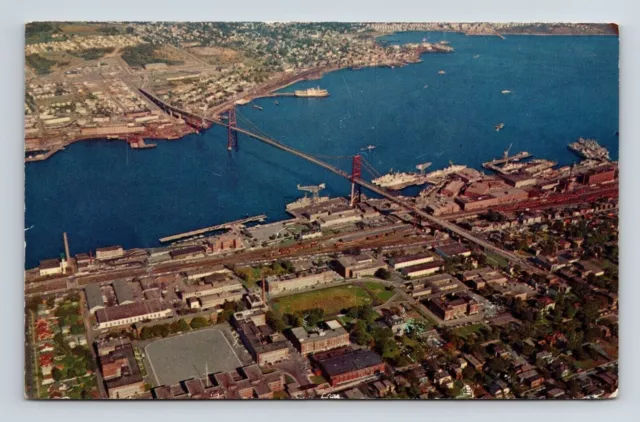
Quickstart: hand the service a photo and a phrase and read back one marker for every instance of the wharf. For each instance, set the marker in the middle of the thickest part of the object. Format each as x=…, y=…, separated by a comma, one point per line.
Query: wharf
x=494, y=164
x=45, y=155
x=228, y=225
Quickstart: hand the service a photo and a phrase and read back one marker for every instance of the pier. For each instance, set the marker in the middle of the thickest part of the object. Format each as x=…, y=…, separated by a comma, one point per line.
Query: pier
x=228, y=225
x=45, y=155
x=495, y=164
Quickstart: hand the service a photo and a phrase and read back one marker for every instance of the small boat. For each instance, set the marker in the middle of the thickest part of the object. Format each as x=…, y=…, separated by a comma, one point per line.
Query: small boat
x=368, y=148
x=499, y=126
x=506, y=91
x=426, y=86
x=257, y=107
x=442, y=72
x=476, y=56
x=276, y=102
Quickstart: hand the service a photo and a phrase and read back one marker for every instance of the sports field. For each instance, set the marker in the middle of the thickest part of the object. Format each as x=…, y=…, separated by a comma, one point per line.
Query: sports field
x=332, y=300
x=190, y=355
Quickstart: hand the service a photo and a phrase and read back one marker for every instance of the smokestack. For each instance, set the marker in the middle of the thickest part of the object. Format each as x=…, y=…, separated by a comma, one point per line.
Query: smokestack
x=66, y=249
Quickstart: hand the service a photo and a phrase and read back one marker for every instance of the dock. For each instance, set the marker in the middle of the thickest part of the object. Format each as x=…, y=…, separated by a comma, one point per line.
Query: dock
x=44, y=155
x=494, y=164
x=223, y=226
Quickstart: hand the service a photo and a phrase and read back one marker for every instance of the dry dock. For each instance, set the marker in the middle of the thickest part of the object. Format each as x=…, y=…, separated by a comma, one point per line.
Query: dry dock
x=228, y=225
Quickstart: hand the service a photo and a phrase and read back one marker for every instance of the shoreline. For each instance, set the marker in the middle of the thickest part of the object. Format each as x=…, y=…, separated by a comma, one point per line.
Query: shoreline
x=261, y=92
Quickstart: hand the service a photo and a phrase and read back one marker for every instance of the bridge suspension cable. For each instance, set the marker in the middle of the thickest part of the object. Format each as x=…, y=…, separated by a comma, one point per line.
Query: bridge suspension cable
x=261, y=132
x=367, y=166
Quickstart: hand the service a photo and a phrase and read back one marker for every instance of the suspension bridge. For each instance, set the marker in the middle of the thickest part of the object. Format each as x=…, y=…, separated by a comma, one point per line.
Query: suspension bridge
x=200, y=122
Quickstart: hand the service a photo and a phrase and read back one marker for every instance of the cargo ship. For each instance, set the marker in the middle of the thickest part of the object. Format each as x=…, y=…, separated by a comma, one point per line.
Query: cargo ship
x=312, y=92
x=590, y=149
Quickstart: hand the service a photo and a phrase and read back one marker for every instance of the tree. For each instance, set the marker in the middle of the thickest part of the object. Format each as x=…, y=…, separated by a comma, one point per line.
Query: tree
x=275, y=321
x=383, y=273
x=56, y=374
x=32, y=304
x=313, y=316
x=198, y=322
x=468, y=372
x=146, y=333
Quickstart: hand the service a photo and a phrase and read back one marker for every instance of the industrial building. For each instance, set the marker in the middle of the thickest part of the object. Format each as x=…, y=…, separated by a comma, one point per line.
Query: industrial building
x=356, y=266
x=422, y=270
x=51, y=267
x=110, y=252
x=93, y=293
x=123, y=292
x=122, y=315
x=188, y=253
x=399, y=262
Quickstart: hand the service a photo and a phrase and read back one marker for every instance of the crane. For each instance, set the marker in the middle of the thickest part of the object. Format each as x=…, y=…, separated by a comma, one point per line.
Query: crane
x=506, y=153
x=313, y=189
x=423, y=167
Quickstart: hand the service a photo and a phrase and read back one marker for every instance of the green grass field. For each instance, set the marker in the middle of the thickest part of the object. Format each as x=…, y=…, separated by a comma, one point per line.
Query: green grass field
x=379, y=291
x=497, y=260
x=465, y=332
x=332, y=300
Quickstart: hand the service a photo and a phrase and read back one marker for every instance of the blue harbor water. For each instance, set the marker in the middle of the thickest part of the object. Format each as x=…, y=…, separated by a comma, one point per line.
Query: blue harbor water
x=102, y=193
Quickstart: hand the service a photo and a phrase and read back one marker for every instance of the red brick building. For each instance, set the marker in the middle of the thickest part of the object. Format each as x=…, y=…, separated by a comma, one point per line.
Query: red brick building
x=351, y=366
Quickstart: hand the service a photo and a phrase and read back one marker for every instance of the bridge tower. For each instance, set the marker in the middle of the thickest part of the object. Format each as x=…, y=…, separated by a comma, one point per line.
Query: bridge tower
x=356, y=173
x=232, y=135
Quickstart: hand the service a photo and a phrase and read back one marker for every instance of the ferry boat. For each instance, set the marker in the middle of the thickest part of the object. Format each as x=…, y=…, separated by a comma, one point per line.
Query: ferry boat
x=499, y=126
x=312, y=92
